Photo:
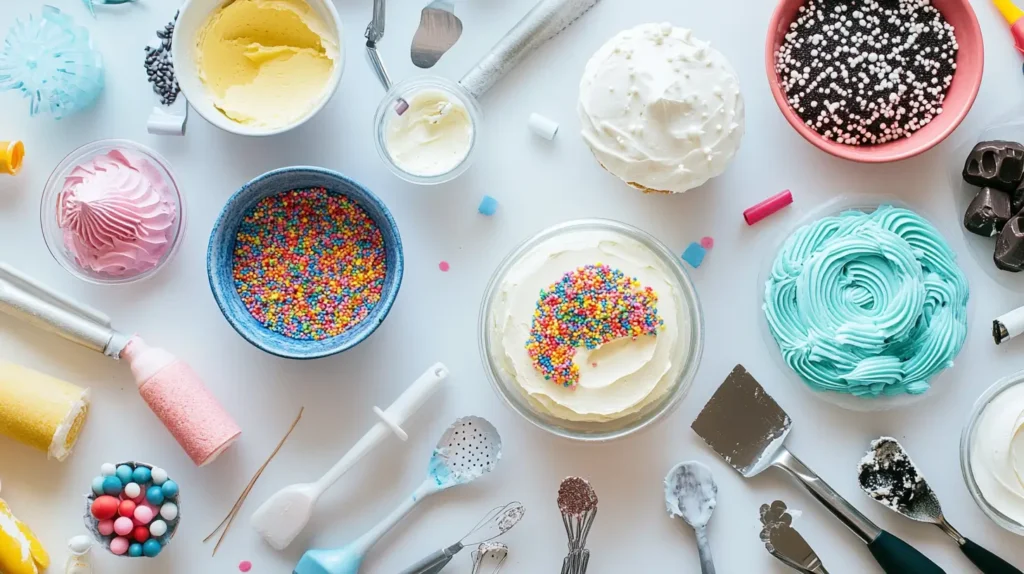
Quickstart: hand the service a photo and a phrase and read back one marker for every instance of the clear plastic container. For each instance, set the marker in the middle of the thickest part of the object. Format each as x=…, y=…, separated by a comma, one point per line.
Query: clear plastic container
x=398, y=95
x=1008, y=127
x=689, y=316
x=967, y=450
x=54, y=235
x=867, y=204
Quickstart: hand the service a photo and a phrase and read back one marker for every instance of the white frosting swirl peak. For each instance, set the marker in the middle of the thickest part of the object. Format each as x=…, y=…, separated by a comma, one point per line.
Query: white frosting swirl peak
x=117, y=214
x=660, y=109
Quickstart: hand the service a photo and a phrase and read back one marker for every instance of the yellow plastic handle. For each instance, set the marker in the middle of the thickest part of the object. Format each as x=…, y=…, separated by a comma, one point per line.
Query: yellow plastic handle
x=1009, y=10
x=11, y=155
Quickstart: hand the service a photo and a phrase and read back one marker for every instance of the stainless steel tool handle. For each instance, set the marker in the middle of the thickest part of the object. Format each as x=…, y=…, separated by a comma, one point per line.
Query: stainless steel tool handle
x=707, y=564
x=435, y=562
x=843, y=510
x=378, y=66
x=543, y=22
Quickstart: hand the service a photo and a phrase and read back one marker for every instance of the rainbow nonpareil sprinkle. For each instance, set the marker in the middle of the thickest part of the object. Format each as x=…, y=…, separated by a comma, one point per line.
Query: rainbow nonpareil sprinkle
x=309, y=264
x=588, y=307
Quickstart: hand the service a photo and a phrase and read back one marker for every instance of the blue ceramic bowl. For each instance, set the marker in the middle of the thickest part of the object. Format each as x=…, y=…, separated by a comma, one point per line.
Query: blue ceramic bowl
x=220, y=260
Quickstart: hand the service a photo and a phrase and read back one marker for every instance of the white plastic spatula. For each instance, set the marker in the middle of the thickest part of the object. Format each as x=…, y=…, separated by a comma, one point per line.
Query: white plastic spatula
x=283, y=516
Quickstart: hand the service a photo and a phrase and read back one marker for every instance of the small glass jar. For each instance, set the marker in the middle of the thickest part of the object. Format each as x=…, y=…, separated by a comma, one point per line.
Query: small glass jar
x=866, y=203
x=396, y=103
x=53, y=234
x=690, y=324
x=967, y=451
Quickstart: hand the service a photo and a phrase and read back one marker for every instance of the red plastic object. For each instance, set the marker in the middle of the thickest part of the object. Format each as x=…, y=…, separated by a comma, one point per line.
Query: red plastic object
x=767, y=207
x=970, y=61
x=1017, y=30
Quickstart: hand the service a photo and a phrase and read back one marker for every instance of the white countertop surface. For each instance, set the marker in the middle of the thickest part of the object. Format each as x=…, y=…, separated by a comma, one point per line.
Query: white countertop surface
x=537, y=183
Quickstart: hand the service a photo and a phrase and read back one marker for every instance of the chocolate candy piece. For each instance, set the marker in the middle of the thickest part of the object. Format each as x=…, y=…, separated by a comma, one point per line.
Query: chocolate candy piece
x=987, y=214
x=998, y=164
x=1009, y=255
x=1017, y=199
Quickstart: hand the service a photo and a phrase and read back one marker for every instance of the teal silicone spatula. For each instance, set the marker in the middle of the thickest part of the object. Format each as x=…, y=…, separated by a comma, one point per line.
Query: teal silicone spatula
x=748, y=429
x=888, y=475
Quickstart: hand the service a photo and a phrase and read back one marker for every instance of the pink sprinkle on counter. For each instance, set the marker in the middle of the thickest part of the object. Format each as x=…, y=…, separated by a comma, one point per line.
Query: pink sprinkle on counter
x=245, y=566
x=443, y=266
x=707, y=242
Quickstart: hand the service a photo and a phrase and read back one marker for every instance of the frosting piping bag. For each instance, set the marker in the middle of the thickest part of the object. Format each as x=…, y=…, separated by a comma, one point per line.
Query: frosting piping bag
x=173, y=391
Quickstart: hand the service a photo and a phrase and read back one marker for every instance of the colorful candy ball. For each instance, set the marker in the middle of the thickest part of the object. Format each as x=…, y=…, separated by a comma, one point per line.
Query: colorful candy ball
x=105, y=527
x=155, y=495
x=158, y=528
x=108, y=469
x=132, y=490
x=158, y=476
x=126, y=508
x=142, y=475
x=123, y=526
x=112, y=485
x=170, y=489
x=119, y=545
x=135, y=550
x=144, y=514
x=169, y=511
x=97, y=485
x=151, y=548
x=104, y=507
x=124, y=473
x=141, y=534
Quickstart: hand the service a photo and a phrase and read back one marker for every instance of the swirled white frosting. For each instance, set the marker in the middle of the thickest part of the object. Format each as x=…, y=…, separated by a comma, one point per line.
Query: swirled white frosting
x=630, y=374
x=997, y=453
x=660, y=109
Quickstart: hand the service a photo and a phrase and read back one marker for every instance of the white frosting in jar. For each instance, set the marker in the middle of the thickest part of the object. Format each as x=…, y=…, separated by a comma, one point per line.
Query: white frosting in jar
x=997, y=453
x=432, y=137
x=660, y=109
x=631, y=374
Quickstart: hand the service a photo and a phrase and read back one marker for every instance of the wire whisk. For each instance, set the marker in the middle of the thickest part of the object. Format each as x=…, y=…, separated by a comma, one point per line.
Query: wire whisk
x=495, y=523
x=578, y=503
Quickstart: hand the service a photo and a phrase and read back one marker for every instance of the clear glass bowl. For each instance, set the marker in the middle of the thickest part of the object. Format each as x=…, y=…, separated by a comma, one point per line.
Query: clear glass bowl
x=967, y=450
x=1008, y=127
x=866, y=203
x=403, y=91
x=689, y=316
x=53, y=235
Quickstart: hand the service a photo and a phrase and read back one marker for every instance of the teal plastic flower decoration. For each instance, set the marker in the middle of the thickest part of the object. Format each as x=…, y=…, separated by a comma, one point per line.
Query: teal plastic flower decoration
x=52, y=62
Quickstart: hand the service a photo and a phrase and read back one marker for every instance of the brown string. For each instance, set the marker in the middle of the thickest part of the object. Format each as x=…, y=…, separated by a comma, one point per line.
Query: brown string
x=226, y=523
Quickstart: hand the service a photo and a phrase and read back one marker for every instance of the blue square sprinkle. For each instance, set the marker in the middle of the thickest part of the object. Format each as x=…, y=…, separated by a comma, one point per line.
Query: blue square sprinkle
x=694, y=254
x=488, y=205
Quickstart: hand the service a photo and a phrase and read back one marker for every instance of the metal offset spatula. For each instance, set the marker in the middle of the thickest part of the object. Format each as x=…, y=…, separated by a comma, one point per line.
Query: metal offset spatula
x=439, y=29
x=747, y=428
x=888, y=475
x=785, y=543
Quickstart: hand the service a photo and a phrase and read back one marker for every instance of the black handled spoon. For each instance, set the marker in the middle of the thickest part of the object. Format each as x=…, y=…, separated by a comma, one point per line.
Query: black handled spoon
x=888, y=475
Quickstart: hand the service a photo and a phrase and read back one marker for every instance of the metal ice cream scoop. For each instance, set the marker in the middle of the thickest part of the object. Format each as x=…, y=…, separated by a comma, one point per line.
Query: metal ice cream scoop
x=690, y=493
x=888, y=475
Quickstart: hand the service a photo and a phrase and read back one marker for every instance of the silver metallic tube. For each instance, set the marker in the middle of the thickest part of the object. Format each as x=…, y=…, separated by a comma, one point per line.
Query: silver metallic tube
x=543, y=22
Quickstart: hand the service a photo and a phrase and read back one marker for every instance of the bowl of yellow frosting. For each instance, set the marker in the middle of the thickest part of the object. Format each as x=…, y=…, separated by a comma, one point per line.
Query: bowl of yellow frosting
x=258, y=67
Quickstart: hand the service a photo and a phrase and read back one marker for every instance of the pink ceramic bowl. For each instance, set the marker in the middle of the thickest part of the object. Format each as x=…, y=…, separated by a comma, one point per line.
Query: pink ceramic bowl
x=970, y=62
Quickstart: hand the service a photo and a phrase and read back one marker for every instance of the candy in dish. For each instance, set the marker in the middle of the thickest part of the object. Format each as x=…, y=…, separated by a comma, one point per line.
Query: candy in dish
x=133, y=509
x=173, y=391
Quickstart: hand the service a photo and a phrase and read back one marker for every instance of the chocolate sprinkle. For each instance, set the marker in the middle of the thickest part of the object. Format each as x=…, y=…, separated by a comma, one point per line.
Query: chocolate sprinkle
x=160, y=68
x=576, y=496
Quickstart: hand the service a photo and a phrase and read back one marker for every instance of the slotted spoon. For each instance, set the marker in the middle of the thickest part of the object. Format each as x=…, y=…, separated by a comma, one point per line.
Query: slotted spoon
x=468, y=450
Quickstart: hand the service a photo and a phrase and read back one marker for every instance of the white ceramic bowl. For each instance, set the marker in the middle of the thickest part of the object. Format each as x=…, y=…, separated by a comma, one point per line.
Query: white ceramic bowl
x=191, y=18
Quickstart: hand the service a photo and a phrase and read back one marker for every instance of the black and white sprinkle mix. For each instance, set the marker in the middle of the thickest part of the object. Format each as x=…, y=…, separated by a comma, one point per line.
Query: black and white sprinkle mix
x=887, y=474
x=863, y=72
x=159, y=67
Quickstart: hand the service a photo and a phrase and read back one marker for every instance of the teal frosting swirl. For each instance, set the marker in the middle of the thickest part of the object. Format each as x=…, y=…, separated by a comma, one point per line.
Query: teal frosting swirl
x=867, y=303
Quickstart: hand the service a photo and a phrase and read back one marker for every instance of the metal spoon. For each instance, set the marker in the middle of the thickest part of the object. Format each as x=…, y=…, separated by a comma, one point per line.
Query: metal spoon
x=690, y=492
x=439, y=29
x=888, y=475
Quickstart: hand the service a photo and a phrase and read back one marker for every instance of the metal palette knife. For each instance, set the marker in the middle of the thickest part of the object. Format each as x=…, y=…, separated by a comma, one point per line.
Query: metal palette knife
x=748, y=429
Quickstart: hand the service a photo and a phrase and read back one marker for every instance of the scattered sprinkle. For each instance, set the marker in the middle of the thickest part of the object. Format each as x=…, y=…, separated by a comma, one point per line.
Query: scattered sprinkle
x=245, y=566
x=309, y=264
x=694, y=254
x=587, y=307
x=444, y=266
x=488, y=205
x=707, y=242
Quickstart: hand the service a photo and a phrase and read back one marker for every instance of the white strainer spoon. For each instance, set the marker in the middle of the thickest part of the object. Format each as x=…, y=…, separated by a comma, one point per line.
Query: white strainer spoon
x=468, y=450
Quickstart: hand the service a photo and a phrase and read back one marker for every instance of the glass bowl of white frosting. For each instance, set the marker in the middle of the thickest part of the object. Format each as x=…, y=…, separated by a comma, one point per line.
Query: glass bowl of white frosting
x=992, y=453
x=591, y=330
x=112, y=213
x=863, y=304
x=426, y=129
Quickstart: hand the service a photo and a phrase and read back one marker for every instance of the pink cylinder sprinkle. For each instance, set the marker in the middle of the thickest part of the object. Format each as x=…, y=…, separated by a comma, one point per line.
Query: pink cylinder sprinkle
x=245, y=566
x=767, y=207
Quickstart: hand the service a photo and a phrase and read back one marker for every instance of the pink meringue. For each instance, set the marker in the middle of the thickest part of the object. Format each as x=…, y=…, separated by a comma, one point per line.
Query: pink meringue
x=117, y=213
